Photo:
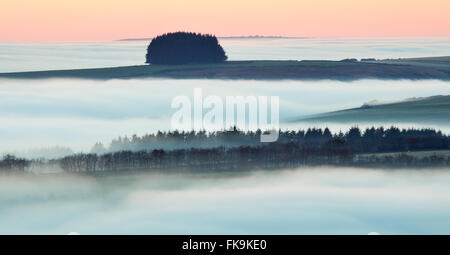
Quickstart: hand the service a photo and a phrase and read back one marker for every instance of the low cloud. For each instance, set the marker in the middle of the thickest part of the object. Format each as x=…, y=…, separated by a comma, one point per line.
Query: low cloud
x=77, y=113
x=302, y=201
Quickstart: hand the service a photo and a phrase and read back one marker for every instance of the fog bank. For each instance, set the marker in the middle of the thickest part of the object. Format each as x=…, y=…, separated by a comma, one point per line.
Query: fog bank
x=303, y=201
x=77, y=113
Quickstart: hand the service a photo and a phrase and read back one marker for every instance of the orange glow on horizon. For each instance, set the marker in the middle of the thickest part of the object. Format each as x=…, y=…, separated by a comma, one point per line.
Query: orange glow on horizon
x=104, y=20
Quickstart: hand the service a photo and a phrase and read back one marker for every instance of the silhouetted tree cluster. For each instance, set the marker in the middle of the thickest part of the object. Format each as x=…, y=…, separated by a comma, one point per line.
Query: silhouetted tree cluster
x=227, y=150
x=370, y=140
x=396, y=140
x=184, y=48
x=270, y=156
x=402, y=160
x=11, y=164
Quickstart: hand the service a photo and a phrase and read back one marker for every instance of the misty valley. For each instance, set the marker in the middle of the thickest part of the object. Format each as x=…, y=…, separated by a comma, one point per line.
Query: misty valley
x=85, y=156
x=309, y=200
x=362, y=145
x=238, y=150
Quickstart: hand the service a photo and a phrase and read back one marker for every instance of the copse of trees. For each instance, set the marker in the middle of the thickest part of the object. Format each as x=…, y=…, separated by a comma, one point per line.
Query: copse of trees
x=337, y=151
x=10, y=164
x=184, y=48
x=269, y=156
x=234, y=149
x=370, y=140
x=238, y=150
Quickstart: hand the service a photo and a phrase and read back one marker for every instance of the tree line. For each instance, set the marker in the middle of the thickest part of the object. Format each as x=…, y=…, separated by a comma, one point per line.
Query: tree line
x=12, y=164
x=235, y=149
x=370, y=140
x=269, y=156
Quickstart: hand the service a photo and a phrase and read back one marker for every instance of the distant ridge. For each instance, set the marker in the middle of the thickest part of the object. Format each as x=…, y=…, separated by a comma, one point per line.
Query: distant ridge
x=261, y=37
x=135, y=39
x=224, y=37
x=428, y=68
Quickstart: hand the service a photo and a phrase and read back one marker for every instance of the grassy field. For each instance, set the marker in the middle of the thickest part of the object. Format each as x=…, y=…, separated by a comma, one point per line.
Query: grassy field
x=422, y=110
x=431, y=68
x=419, y=154
x=438, y=62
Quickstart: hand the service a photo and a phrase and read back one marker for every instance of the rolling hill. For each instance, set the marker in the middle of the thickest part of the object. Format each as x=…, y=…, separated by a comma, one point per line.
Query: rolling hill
x=422, y=68
x=434, y=109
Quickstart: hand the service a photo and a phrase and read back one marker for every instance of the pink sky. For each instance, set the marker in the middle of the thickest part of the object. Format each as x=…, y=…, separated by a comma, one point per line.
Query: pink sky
x=104, y=20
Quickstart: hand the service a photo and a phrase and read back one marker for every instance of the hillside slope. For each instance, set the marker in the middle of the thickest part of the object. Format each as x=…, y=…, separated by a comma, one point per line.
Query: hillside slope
x=297, y=70
x=434, y=109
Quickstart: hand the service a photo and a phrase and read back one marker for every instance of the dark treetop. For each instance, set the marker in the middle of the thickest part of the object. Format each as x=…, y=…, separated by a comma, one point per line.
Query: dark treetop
x=184, y=48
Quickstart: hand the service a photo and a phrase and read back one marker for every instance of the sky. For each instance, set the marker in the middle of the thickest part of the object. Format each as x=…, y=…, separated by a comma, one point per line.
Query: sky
x=105, y=20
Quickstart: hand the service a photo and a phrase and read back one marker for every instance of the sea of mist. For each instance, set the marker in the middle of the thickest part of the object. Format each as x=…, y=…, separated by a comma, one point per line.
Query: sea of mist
x=301, y=201
x=77, y=113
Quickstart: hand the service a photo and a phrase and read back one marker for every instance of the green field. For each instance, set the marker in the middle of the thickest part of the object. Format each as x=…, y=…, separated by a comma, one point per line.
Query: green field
x=438, y=62
x=418, y=154
x=434, y=109
x=428, y=68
